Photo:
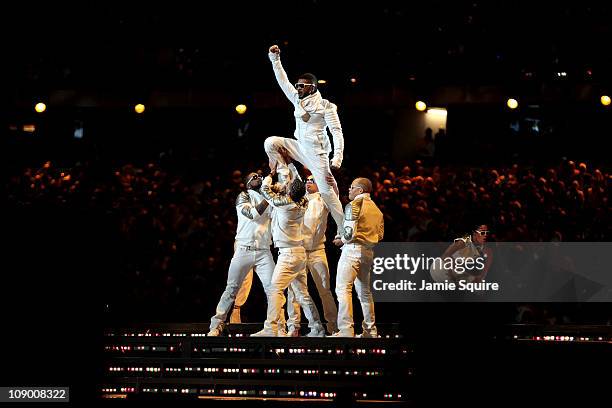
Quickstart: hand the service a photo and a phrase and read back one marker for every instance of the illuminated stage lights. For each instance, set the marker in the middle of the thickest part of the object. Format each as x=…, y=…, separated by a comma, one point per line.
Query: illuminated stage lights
x=210, y=370
x=296, y=351
x=109, y=389
x=250, y=371
x=170, y=390
x=332, y=372
x=127, y=389
x=207, y=391
x=173, y=370
x=40, y=107
x=229, y=391
x=512, y=103
x=605, y=100
x=241, y=109
x=139, y=108
x=420, y=106
x=153, y=369
x=271, y=371
x=150, y=390
x=392, y=396
x=231, y=370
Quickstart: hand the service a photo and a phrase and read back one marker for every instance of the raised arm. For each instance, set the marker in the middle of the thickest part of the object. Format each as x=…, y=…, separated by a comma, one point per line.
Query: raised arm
x=275, y=199
x=333, y=123
x=280, y=74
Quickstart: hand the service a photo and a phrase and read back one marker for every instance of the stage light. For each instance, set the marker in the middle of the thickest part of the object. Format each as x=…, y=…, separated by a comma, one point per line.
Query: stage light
x=140, y=108
x=40, y=107
x=353, y=80
x=241, y=109
x=420, y=106
x=322, y=81
x=605, y=100
x=512, y=103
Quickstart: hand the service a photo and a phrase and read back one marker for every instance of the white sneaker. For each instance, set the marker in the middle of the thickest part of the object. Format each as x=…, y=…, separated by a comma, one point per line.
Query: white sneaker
x=316, y=333
x=264, y=333
x=340, y=334
x=216, y=332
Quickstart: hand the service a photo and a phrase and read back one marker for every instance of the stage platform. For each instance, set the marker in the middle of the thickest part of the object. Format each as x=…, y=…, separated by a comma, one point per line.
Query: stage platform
x=178, y=361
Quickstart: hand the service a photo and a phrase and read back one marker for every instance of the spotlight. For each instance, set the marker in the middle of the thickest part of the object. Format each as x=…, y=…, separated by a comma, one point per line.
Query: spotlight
x=353, y=80
x=40, y=107
x=512, y=103
x=140, y=108
x=420, y=106
x=241, y=109
x=322, y=81
x=605, y=100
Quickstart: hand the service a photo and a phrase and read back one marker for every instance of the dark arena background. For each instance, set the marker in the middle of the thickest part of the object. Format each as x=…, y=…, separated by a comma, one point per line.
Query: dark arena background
x=126, y=134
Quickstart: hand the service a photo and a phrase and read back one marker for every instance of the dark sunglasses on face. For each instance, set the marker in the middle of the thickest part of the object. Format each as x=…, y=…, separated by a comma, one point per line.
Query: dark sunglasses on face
x=254, y=177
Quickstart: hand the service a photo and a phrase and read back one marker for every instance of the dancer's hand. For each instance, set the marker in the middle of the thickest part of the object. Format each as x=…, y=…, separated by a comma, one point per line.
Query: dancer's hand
x=285, y=155
x=338, y=242
x=274, y=49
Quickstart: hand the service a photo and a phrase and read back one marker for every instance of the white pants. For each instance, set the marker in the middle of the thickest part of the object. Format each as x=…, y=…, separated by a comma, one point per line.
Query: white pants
x=316, y=264
x=243, y=261
x=355, y=265
x=318, y=164
x=290, y=270
x=245, y=289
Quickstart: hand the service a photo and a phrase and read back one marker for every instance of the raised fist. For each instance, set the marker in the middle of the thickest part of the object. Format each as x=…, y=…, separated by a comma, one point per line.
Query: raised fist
x=274, y=49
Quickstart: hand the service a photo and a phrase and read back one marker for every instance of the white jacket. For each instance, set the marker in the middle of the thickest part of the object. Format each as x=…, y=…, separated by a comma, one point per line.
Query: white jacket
x=287, y=217
x=253, y=228
x=322, y=114
x=315, y=222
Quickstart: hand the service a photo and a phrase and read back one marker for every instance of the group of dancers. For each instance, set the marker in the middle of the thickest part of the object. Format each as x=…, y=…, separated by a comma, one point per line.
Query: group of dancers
x=293, y=215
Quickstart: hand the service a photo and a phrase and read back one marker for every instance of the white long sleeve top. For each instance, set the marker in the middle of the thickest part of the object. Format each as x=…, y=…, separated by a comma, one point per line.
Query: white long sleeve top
x=310, y=129
x=253, y=228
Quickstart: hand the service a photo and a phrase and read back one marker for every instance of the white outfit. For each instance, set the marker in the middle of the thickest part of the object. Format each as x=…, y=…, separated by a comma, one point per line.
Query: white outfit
x=363, y=228
x=251, y=252
x=287, y=218
x=313, y=230
x=313, y=115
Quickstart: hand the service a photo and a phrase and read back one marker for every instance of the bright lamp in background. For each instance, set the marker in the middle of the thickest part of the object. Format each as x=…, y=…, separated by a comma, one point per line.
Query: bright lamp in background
x=40, y=107
x=140, y=108
x=420, y=106
x=241, y=109
x=512, y=103
x=605, y=100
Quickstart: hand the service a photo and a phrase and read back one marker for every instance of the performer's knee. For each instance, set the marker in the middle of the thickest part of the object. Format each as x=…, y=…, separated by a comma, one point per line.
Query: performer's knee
x=271, y=144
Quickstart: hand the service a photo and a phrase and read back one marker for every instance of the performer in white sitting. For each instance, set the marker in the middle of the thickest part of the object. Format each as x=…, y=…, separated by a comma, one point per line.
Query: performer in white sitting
x=313, y=115
x=313, y=229
x=287, y=219
x=363, y=228
x=251, y=249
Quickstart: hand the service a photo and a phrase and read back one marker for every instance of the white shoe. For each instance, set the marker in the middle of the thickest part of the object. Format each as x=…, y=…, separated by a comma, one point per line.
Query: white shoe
x=340, y=334
x=264, y=333
x=316, y=333
x=216, y=332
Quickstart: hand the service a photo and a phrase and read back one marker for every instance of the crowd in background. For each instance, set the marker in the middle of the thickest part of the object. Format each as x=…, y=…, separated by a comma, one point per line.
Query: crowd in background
x=176, y=228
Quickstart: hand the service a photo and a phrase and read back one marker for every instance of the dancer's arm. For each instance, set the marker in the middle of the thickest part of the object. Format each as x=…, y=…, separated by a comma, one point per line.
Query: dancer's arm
x=281, y=75
x=275, y=199
x=333, y=123
x=244, y=207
